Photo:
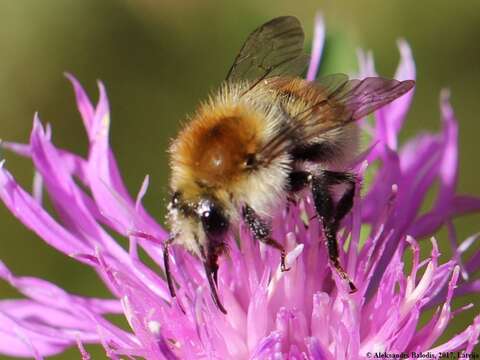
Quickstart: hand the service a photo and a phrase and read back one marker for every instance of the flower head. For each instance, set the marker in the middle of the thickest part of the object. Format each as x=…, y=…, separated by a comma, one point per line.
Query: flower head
x=304, y=313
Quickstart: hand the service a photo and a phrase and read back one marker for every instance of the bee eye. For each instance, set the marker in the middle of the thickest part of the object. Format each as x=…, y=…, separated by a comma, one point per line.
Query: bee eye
x=213, y=221
x=250, y=160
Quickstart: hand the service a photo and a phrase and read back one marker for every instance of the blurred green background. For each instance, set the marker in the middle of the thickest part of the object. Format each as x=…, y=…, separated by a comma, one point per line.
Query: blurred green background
x=159, y=58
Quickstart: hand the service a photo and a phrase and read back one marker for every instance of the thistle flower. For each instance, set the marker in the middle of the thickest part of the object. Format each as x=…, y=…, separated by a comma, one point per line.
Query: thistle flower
x=304, y=313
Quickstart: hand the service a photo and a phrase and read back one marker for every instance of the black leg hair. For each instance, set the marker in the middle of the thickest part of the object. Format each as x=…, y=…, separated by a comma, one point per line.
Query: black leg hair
x=261, y=232
x=298, y=180
x=329, y=214
x=345, y=203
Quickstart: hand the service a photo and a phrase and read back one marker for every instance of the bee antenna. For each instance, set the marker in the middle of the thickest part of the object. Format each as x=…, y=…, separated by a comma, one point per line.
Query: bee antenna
x=212, y=281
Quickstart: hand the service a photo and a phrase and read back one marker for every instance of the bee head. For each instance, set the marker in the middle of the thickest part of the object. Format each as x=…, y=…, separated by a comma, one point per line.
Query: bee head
x=214, y=221
x=198, y=224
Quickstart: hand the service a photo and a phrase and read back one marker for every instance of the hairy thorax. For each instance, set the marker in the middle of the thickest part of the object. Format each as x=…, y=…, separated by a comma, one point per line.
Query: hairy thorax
x=214, y=150
x=216, y=153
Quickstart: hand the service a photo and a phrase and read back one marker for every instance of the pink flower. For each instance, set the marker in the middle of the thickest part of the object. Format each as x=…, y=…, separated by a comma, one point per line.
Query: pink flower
x=304, y=313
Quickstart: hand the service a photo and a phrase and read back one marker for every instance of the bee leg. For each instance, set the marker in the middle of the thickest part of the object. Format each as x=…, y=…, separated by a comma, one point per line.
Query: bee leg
x=283, y=253
x=332, y=215
x=166, y=263
x=168, y=274
x=261, y=232
x=345, y=203
x=299, y=180
x=332, y=245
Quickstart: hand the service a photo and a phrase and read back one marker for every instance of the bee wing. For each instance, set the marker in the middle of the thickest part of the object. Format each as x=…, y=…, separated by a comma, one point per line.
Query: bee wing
x=361, y=97
x=273, y=49
x=341, y=101
x=329, y=84
x=338, y=101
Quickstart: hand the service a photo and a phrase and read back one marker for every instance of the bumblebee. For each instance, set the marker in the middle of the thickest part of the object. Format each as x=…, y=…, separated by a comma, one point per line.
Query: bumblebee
x=263, y=136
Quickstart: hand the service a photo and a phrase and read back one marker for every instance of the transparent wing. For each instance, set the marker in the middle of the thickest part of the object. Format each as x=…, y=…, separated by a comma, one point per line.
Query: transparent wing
x=335, y=102
x=329, y=84
x=349, y=100
x=273, y=49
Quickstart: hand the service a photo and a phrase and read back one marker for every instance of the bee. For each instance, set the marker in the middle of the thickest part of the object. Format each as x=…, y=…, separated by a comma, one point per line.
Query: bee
x=265, y=135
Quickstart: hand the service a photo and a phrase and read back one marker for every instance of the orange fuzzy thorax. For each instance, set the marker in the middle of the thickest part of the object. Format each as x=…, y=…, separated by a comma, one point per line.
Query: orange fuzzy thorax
x=211, y=151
